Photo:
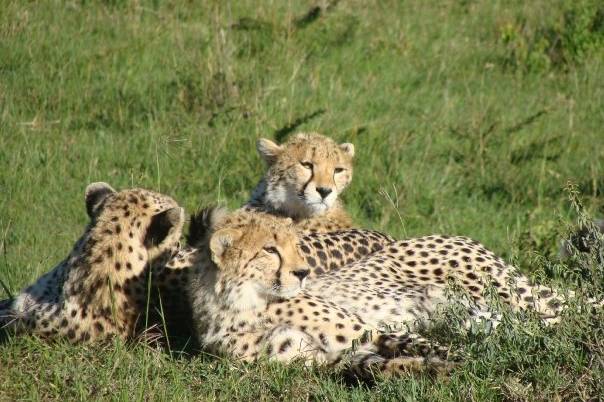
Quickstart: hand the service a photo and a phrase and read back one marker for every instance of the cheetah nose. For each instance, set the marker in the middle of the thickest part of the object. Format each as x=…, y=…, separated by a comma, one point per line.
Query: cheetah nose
x=301, y=273
x=324, y=191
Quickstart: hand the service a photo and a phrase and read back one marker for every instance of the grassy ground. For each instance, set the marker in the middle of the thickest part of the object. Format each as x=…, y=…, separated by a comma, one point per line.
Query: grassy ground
x=468, y=118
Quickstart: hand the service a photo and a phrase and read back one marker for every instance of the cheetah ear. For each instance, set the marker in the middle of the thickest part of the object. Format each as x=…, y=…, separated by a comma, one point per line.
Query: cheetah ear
x=268, y=150
x=95, y=196
x=165, y=227
x=348, y=148
x=203, y=224
x=221, y=241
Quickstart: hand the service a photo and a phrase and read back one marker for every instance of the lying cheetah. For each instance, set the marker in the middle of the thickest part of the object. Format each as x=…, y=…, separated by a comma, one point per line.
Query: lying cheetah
x=425, y=261
x=282, y=193
x=304, y=179
x=305, y=176
x=99, y=289
x=249, y=299
x=427, y=265
x=170, y=281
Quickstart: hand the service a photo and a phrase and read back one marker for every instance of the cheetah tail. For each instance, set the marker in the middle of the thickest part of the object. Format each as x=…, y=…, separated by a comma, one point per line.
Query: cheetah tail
x=367, y=365
x=202, y=224
x=397, y=353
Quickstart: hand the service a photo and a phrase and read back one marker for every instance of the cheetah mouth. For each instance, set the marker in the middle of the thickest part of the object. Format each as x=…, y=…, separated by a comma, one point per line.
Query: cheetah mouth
x=319, y=206
x=288, y=294
x=285, y=293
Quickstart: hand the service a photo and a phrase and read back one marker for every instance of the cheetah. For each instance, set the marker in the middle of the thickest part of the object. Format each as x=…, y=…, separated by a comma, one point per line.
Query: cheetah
x=251, y=295
x=429, y=264
x=98, y=290
x=170, y=281
x=249, y=300
x=438, y=260
x=288, y=164
x=304, y=179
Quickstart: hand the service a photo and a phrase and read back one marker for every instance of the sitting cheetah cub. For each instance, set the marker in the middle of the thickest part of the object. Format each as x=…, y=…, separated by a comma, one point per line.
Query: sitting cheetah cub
x=304, y=179
x=99, y=289
x=249, y=300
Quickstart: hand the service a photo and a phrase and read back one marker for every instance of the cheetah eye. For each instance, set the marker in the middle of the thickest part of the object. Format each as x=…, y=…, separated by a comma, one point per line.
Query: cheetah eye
x=307, y=165
x=271, y=250
x=339, y=170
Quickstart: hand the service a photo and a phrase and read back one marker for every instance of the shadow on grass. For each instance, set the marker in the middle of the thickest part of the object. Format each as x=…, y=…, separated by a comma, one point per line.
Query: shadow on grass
x=5, y=332
x=284, y=131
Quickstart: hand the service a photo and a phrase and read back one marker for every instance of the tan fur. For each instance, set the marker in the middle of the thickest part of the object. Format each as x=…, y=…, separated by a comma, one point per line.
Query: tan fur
x=99, y=289
x=426, y=265
x=363, y=281
x=304, y=179
x=248, y=299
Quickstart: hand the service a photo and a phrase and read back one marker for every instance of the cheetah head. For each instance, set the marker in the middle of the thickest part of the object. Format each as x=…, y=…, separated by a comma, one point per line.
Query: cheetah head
x=135, y=220
x=306, y=174
x=127, y=231
x=256, y=257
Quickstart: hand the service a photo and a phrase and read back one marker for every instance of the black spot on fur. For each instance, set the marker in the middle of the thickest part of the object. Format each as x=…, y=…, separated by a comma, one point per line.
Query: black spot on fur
x=285, y=345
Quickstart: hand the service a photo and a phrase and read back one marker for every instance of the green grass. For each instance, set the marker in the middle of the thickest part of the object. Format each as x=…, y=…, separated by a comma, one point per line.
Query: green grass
x=468, y=118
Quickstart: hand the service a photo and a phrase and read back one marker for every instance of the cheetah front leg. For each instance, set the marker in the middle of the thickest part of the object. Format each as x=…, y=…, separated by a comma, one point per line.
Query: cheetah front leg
x=286, y=344
x=281, y=343
x=399, y=343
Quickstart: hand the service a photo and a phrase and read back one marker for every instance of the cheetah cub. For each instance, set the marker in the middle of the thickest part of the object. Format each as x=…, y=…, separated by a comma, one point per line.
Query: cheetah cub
x=304, y=179
x=249, y=300
x=99, y=289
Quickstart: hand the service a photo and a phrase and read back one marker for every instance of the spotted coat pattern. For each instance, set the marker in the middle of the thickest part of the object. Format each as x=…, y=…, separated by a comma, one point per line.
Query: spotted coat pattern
x=387, y=283
x=304, y=179
x=253, y=303
x=99, y=290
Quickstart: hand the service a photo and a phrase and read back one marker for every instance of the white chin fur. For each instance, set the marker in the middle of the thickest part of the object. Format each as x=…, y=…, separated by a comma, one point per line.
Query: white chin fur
x=288, y=201
x=317, y=209
x=284, y=292
x=315, y=203
x=289, y=292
